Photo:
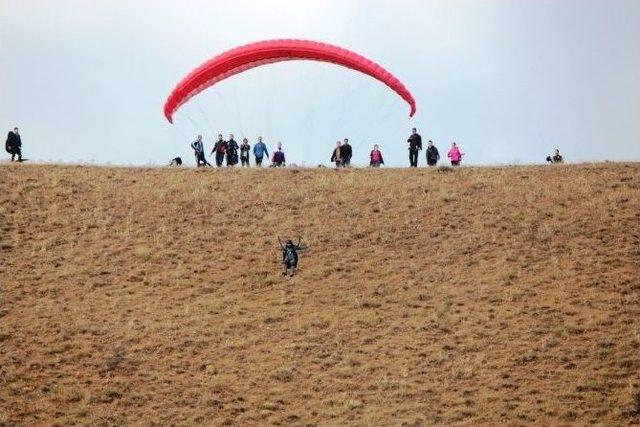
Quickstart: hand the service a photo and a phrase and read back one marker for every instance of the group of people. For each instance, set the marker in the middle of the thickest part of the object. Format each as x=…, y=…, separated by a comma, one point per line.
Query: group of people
x=13, y=145
x=432, y=154
x=343, y=152
x=229, y=150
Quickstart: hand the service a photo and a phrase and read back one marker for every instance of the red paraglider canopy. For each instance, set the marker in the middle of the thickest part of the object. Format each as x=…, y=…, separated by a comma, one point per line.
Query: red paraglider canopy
x=252, y=55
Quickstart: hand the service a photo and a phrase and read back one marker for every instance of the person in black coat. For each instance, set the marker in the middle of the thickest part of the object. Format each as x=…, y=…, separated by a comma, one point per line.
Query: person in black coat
x=232, y=151
x=14, y=144
x=432, y=154
x=345, y=153
x=415, y=145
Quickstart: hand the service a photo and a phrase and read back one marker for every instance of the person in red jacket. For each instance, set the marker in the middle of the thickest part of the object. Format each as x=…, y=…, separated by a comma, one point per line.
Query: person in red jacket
x=375, y=158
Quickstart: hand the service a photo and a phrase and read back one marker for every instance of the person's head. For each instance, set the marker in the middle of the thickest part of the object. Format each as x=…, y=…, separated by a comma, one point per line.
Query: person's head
x=557, y=152
x=289, y=242
x=346, y=141
x=375, y=146
x=337, y=143
x=259, y=139
x=453, y=144
x=279, y=145
x=220, y=137
x=414, y=130
x=230, y=136
x=245, y=140
x=430, y=143
x=15, y=130
x=199, y=137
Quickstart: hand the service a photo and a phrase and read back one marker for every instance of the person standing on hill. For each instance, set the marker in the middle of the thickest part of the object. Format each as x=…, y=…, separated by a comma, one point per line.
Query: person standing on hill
x=455, y=154
x=244, y=152
x=278, y=157
x=415, y=145
x=232, y=151
x=432, y=154
x=13, y=145
x=259, y=151
x=336, y=157
x=198, y=150
x=345, y=153
x=220, y=148
x=375, y=158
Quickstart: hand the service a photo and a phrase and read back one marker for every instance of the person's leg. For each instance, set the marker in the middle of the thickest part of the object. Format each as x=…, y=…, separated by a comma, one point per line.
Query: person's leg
x=258, y=161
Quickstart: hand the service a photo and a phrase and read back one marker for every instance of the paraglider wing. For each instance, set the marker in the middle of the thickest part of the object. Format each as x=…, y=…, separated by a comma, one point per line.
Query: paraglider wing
x=253, y=55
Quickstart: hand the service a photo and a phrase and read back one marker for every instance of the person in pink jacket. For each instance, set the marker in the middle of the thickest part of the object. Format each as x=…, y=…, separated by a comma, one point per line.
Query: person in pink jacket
x=455, y=154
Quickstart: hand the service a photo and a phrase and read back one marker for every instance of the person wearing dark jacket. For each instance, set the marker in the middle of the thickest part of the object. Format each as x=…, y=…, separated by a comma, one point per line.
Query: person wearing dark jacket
x=278, y=157
x=345, y=153
x=244, y=152
x=336, y=156
x=198, y=150
x=290, y=257
x=13, y=145
x=232, y=151
x=220, y=148
x=432, y=154
x=415, y=145
x=556, y=158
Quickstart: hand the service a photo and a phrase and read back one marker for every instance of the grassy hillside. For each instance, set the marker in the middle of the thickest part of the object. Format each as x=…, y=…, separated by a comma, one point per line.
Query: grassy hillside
x=478, y=296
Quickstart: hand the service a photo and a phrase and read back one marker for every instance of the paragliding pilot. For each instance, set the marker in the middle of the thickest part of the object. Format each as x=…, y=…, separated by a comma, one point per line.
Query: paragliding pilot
x=198, y=149
x=290, y=256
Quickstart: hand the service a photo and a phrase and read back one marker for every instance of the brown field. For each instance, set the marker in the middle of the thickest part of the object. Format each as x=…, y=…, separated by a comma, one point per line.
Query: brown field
x=479, y=296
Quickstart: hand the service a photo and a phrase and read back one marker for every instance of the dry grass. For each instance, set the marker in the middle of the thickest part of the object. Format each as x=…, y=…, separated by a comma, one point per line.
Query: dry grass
x=476, y=296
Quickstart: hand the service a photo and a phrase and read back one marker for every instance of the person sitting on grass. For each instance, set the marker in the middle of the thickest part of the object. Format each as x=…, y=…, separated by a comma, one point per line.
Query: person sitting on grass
x=556, y=158
x=375, y=158
x=278, y=157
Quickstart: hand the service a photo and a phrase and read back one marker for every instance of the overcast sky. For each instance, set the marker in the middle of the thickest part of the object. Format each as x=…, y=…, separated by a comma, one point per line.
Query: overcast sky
x=508, y=80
